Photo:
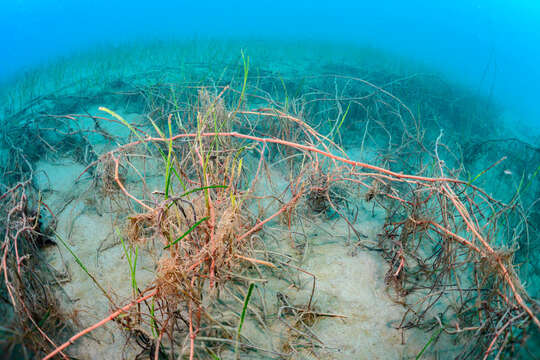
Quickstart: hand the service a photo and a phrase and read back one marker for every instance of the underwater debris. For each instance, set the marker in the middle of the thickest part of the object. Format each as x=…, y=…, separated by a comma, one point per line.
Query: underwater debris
x=191, y=188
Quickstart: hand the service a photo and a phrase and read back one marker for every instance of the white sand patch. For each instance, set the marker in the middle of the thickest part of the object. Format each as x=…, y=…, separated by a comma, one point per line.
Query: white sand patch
x=57, y=176
x=351, y=284
x=92, y=237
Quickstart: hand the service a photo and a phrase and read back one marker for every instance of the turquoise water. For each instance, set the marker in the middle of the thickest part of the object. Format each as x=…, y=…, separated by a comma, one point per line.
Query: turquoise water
x=416, y=91
x=492, y=46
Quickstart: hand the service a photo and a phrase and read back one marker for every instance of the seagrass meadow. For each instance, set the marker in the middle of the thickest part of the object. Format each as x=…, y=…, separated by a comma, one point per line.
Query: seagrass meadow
x=263, y=200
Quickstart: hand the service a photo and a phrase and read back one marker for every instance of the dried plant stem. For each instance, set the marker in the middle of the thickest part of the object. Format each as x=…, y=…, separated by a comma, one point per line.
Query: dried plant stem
x=488, y=251
x=113, y=316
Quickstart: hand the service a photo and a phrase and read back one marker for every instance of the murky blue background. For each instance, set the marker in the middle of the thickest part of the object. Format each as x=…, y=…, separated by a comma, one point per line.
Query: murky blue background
x=493, y=46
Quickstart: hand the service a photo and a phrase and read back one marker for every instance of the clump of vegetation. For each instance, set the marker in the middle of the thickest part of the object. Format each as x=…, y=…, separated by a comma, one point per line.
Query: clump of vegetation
x=29, y=302
x=184, y=181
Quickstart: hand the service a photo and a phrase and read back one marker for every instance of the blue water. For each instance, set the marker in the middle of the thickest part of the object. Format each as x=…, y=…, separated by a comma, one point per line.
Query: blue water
x=492, y=46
